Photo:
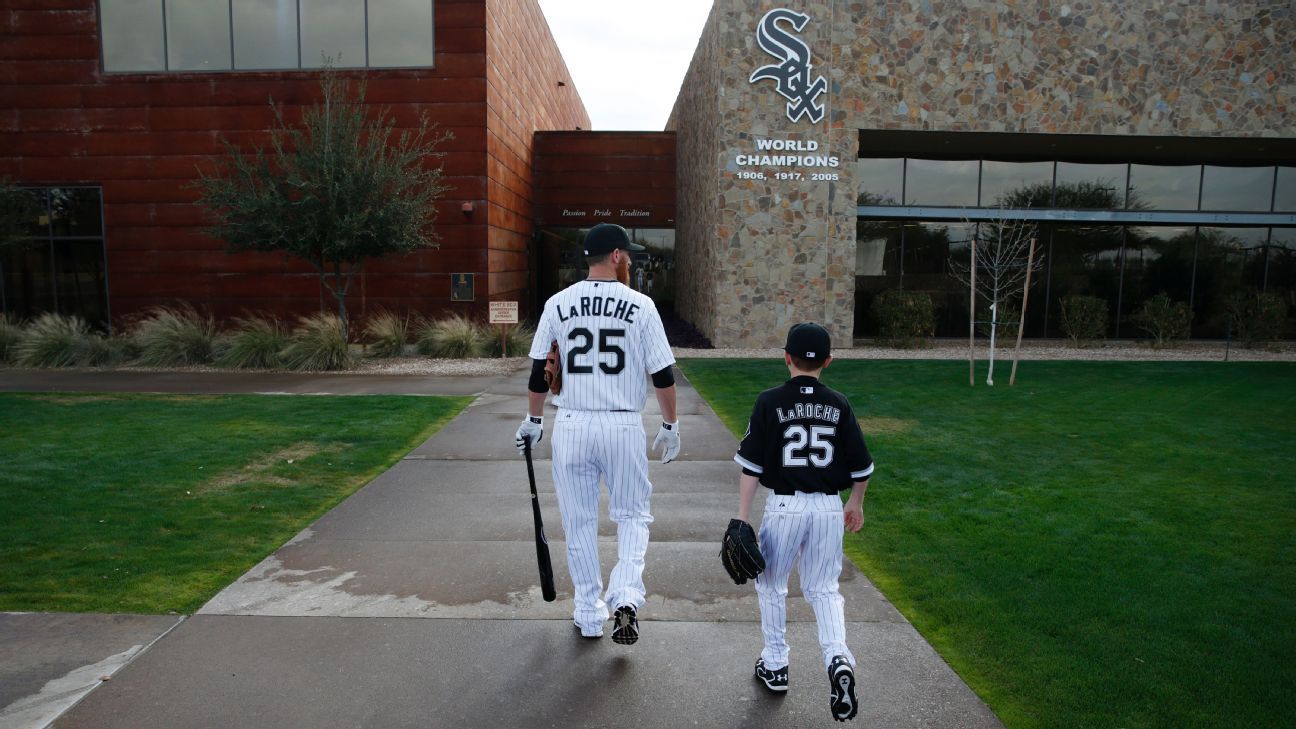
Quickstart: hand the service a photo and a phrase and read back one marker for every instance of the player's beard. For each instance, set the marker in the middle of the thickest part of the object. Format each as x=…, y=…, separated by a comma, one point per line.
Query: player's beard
x=623, y=270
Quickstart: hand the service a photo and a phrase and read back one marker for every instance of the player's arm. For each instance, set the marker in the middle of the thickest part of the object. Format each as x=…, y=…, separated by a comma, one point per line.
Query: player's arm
x=532, y=427
x=861, y=467
x=747, y=484
x=658, y=360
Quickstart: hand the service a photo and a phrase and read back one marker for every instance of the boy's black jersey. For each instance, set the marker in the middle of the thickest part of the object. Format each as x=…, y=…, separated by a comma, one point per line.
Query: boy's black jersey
x=803, y=436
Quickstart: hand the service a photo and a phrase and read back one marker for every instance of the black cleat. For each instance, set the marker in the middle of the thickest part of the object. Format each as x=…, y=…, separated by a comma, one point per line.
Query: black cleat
x=625, y=625
x=841, y=679
x=775, y=681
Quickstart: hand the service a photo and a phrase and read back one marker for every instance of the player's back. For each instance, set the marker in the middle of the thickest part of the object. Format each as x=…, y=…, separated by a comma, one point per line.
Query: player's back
x=609, y=336
x=806, y=438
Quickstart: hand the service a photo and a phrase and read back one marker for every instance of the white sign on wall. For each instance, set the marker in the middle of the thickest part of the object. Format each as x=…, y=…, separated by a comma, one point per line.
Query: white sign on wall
x=792, y=72
x=503, y=312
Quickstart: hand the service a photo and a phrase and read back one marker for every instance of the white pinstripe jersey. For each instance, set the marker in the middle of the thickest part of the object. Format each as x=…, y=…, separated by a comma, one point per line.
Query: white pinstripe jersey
x=609, y=337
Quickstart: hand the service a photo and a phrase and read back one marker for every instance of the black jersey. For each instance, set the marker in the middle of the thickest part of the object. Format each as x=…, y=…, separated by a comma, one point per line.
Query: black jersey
x=803, y=436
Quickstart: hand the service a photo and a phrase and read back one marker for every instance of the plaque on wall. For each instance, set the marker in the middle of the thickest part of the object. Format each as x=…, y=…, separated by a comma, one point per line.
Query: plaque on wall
x=461, y=287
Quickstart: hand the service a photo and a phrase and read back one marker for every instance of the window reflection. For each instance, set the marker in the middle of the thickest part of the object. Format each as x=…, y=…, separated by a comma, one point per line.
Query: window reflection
x=1164, y=187
x=265, y=34
x=1084, y=260
x=1157, y=259
x=60, y=268
x=400, y=33
x=928, y=250
x=941, y=182
x=332, y=29
x=1237, y=188
x=1016, y=184
x=132, y=35
x=879, y=181
x=877, y=269
x=1285, y=193
x=198, y=35
x=1090, y=186
x=1280, y=272
x=1228, y=260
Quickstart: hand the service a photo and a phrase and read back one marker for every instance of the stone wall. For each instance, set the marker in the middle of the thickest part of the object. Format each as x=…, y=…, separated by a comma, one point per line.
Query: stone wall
x=760, y=255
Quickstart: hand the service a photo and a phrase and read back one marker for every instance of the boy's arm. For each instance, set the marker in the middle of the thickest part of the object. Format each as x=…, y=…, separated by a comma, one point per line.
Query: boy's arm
x=746, y=491
x=854, y=508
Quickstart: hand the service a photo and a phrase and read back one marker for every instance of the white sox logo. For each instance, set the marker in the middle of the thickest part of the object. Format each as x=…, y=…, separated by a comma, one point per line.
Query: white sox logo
x=793, y=73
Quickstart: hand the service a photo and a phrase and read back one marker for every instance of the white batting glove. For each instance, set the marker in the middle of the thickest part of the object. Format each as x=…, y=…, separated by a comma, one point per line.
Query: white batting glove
x=532, y=429
x=667, y=442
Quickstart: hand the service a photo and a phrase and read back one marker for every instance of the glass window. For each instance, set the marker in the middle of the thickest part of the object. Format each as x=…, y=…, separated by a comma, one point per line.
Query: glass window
x=1237, y=188
x=333, y=29
x=132, y=35
x=879, y=181
x=1280, y=274
x=1016, y=184
x=1229, y=260
x=79, y=279
x=265, y=34
x=198, y=35
x=1089, y=186
x=1157, y=259
x=28, y=283
x=400, y=33
x=877, y=269
x=940, y=182
x=928, y=251
x=1164, y=187
x=1084, y=260
x=1285, y=195
x=75, y=211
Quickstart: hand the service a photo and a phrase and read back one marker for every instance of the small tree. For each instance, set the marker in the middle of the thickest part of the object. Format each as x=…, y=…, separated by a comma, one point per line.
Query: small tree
x=1001, y=253
x=338, y=190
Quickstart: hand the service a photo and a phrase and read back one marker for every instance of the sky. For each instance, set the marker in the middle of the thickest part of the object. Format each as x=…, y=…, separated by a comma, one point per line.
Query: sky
x=627, y=57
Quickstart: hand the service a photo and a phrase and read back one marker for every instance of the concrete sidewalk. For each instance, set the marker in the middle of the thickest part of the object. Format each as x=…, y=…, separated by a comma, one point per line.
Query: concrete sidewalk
x=415, y=603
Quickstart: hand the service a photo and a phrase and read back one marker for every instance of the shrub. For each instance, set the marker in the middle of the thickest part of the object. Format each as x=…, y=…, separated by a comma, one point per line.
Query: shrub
x=904, y=318
x=1257, y=318
x=318, y=343
x=53, y=341
x=518, y=338
x=386, y=334
x=254, y=343
x=174, y=336
x=100, y=351
x=1084, y=319
x=454, y=337
x=1167, y=321
x=10, y=335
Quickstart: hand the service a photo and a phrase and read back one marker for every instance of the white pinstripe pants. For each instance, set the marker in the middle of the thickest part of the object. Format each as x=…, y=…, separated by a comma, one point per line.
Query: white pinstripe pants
x=587, y=444
x=803, y=531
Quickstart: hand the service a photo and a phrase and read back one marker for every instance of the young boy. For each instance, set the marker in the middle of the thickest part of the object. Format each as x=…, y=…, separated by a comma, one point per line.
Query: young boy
x=804, y=444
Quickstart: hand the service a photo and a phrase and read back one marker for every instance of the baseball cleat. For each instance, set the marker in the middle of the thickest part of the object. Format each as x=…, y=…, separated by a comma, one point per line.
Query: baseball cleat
x=592, y=635
x=776, y=681
x=841, y=679
x=625, y=625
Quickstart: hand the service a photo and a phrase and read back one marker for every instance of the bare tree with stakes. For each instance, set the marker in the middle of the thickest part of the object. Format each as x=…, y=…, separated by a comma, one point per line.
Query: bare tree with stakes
x=1002, y=258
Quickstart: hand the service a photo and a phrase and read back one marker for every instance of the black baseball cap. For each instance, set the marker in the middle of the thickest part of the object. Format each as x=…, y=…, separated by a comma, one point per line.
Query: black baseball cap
x=808, y=340
x=604, y=238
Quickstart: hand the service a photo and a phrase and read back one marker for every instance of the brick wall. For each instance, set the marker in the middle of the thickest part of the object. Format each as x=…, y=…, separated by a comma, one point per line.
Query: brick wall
x=141, y=136
x=524, y=68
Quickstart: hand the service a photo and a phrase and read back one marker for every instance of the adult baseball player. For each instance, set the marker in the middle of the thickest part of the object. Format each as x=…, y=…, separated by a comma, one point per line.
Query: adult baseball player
x=610, y=339
x=804, y=444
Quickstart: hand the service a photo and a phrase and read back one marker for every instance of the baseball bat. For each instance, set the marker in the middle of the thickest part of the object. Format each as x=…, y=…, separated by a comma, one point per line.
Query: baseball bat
x=542, y=544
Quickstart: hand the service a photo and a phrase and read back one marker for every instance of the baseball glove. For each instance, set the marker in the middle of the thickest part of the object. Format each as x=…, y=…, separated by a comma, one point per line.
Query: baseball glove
x=553, y=369
x=740, y=552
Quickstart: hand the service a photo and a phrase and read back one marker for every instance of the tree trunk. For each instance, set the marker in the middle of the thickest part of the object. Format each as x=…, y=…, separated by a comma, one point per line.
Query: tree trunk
x=994, y=322
x=972, y=319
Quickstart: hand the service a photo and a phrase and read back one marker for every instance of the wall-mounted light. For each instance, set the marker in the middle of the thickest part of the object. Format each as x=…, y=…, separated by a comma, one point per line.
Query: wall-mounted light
x=466, y=209
x=562, y=83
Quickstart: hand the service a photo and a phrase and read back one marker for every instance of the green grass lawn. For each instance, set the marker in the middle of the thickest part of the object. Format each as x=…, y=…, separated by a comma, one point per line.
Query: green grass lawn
x=1104, y=545
x=153, y=503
